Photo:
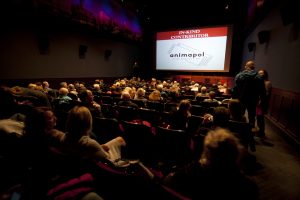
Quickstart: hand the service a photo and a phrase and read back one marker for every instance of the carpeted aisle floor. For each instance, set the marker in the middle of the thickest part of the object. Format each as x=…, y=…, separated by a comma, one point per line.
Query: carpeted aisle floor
x=278, y=174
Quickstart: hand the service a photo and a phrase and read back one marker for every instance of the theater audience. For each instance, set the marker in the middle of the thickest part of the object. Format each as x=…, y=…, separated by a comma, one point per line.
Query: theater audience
x=216, y=170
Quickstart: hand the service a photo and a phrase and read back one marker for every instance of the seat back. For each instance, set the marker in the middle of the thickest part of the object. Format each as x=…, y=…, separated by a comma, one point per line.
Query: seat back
x=154, y=105
x=201, y=98
x=108, y=110
x=126, y=113
x=61, y=116
x=149, y=115
x=198, y=110
x=171, y=107
x=174, y=146
x=139, y=103
x=132, y=186
x=106, y=129
x=242, y=130
x=107, y=100
x=194, y=123
x=139, y=141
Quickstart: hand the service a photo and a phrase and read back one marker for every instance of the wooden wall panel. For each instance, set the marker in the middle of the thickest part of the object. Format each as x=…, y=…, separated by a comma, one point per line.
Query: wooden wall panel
x=284, y=112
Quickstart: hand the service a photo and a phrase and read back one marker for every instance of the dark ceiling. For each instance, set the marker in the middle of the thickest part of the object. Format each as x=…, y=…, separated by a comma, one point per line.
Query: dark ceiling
x=167, y=14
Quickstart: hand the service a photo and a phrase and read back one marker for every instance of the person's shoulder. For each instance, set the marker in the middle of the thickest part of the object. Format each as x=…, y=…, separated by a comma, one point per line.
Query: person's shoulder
x=133, y=105
x=240, y=75
x=88, y=141
x=56, y=133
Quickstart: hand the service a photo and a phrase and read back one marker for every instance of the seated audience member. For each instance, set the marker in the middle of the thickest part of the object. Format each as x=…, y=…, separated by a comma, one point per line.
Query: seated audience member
x=140, y=95
x=63, y=97
x=219, y=118
x=31, y=86
x=125, y=100
x=46, y=86
x=39, y=134
x=11, y=121
x=217, y=174
x=40, y=127
x=39, y=86
x=211, y=98
x=51, y=93
x=77, y=140
x=131, y=90
x=63, y=84
x=97, y=92
x=13, y=126
x=11, y=131
x=179, y=119
x=21, y=92
x=223, y=88
x=173, y=95
x=87, y=99
x=72, y=89
x=203, y=92
x=236, y=111
x=8, y=104
x=155, y=96
x=160, y=88
x=39, y=141
x=116, y=89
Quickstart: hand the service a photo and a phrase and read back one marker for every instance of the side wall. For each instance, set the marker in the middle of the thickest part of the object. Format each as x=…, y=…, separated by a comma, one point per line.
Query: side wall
x=280, y=57
x=20, y=56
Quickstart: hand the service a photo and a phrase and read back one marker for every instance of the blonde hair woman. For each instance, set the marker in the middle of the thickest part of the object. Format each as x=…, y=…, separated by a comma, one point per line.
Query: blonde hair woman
x=155, y=96
x=77, y=139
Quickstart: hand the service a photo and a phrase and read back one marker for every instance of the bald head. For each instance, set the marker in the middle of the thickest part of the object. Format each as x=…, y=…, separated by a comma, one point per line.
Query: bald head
x=249, y=65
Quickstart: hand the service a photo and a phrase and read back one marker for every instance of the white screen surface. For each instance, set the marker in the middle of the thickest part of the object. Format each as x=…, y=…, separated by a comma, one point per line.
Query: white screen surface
x=199, y=49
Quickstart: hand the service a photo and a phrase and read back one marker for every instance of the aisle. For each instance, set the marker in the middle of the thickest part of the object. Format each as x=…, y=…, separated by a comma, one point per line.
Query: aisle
x=279, y=175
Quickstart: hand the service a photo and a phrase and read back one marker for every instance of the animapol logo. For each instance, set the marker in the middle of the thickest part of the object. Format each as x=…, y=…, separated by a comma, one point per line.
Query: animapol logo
x=189, y=54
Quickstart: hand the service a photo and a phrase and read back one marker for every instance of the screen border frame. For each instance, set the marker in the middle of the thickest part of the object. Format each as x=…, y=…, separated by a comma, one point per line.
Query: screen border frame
x=228, y=51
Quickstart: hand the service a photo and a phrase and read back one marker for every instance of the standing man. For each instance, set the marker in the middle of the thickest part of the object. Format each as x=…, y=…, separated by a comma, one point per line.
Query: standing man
x=136, y=69
x=249, y=89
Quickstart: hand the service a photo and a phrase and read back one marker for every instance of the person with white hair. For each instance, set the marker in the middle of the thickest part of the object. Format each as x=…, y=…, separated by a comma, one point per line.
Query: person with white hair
x=63, y=96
